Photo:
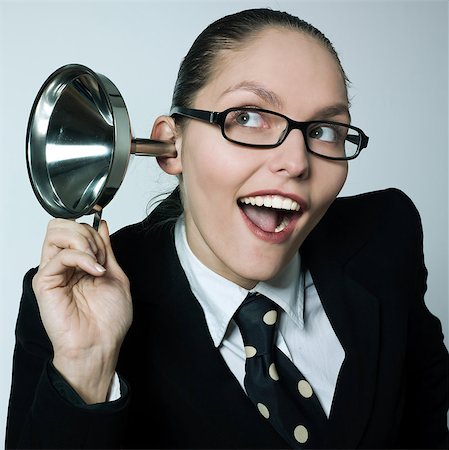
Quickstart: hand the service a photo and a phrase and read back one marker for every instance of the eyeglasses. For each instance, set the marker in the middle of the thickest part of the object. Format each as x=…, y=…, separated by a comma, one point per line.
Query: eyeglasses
x=260, y=128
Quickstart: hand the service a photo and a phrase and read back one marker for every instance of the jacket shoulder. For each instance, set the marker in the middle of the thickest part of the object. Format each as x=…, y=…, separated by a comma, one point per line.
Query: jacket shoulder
x=390, y=200
x=147, y=238
x=384, y=210
x=386, y=219
x=137, y=245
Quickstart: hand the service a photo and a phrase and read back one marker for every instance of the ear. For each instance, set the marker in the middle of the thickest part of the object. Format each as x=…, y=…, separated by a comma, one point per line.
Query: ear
x=164, y=129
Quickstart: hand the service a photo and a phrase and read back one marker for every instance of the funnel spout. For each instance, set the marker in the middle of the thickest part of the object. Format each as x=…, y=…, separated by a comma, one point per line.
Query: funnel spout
x=150, y=147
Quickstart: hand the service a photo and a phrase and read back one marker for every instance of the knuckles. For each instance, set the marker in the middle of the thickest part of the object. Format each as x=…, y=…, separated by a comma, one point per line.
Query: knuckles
x=63, y=233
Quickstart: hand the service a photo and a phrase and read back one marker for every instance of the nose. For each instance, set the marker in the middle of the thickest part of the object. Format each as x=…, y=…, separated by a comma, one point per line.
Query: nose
x=291, y=157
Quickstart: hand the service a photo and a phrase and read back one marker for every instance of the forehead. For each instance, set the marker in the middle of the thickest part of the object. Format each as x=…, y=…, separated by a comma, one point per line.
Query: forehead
x=297, y=68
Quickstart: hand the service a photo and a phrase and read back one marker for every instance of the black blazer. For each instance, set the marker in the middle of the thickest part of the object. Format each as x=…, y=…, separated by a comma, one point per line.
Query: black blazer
x=366, y=259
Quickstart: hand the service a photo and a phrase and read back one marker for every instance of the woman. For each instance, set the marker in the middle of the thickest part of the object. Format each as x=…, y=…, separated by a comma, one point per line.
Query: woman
x=139, y=342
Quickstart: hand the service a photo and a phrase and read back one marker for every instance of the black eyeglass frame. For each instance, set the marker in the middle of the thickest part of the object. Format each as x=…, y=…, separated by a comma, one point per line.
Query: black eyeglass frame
x=218, y=118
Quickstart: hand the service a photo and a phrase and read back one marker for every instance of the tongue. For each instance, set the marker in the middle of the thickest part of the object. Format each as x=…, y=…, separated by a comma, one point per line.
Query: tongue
x=264, y=218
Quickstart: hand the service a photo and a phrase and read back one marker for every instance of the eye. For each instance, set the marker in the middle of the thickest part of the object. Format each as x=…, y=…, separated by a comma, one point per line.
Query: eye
x=250, y=119
x=324, y=132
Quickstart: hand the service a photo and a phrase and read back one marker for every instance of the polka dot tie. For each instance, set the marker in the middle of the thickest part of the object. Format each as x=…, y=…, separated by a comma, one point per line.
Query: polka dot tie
x=276, y=387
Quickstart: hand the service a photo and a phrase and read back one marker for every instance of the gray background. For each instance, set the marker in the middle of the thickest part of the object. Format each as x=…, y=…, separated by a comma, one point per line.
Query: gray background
x=394, y=52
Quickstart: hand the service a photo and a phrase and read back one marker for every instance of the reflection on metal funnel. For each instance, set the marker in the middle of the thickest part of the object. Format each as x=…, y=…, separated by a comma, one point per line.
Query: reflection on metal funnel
x=79, y=142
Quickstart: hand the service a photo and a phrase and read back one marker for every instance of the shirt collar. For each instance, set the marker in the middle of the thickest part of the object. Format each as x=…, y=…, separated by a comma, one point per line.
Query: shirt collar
x=220, y=298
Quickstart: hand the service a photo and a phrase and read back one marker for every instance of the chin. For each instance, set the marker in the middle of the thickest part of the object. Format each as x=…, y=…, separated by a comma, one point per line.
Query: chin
x=252, y=277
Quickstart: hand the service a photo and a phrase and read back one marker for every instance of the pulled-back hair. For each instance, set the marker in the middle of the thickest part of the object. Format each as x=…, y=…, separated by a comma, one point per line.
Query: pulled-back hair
x=230, y=33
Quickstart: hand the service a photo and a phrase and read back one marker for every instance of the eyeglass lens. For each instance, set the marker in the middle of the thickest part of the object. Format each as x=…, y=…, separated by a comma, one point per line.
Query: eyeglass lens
x=263, y=128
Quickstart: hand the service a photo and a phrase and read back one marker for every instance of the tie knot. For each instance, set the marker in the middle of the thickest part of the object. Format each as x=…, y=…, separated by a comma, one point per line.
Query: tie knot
x=256, y=319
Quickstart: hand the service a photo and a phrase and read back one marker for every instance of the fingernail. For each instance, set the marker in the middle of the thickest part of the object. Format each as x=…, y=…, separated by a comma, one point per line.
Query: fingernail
x=100, y=268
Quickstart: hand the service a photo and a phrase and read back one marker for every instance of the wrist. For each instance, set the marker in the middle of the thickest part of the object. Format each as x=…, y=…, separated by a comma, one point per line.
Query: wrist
x=89, y=375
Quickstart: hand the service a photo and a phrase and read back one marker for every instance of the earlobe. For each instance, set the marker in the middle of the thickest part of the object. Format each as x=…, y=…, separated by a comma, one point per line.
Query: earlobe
x=164, y=129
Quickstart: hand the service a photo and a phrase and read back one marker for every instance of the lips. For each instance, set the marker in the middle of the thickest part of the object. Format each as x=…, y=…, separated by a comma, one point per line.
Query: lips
x=271, y=216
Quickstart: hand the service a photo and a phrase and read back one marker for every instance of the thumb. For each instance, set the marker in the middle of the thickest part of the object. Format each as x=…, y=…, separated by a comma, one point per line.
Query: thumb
x=111, y=262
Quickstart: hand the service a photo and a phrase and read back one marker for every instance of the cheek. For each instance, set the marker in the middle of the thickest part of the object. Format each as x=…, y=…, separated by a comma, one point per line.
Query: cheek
x=211, y=165
x=327, y=180
x=205, y=177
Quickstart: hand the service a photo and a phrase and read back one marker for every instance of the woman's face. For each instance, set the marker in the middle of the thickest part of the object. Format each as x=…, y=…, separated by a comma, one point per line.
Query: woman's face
x=283, y=71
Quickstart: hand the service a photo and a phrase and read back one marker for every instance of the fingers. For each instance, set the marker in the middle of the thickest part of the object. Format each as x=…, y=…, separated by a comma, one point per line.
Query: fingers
x=71, y=247
x=73, y=259
x=67, y=234
x=63, y=270
x=111, y=262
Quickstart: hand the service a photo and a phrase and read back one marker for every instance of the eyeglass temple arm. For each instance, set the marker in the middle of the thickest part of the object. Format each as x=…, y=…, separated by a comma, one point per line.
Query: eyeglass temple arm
x=360, y=140
x=207, y=116
x=353, y=138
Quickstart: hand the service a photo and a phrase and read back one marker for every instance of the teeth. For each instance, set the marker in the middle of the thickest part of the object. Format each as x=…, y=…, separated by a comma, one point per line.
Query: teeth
x=282, y=225
x=272, y=201
x=267, y=202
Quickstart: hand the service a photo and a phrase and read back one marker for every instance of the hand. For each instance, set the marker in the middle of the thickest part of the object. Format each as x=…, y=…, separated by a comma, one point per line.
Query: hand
x=85, y=305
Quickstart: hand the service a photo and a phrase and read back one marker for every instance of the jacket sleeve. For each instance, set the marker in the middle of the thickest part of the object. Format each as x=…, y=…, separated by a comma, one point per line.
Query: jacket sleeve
x=426, y=404
x=43, y=413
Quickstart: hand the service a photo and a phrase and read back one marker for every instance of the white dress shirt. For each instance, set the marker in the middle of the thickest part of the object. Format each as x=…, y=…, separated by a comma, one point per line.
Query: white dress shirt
x=305, y=334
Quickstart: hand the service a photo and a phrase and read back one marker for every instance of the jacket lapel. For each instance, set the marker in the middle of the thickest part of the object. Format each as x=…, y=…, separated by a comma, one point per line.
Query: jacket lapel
x=354, y=315
x=212, y=393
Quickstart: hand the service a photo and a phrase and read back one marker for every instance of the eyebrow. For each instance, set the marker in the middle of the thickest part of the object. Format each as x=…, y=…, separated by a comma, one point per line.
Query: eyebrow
x=273, y=99
x=332, y=111
x=265, y=94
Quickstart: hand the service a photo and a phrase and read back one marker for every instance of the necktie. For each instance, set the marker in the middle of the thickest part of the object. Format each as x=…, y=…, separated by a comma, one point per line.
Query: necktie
x=277, y=388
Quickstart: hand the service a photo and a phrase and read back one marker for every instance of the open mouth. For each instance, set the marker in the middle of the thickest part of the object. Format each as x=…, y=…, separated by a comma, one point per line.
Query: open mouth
x=270, y=213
